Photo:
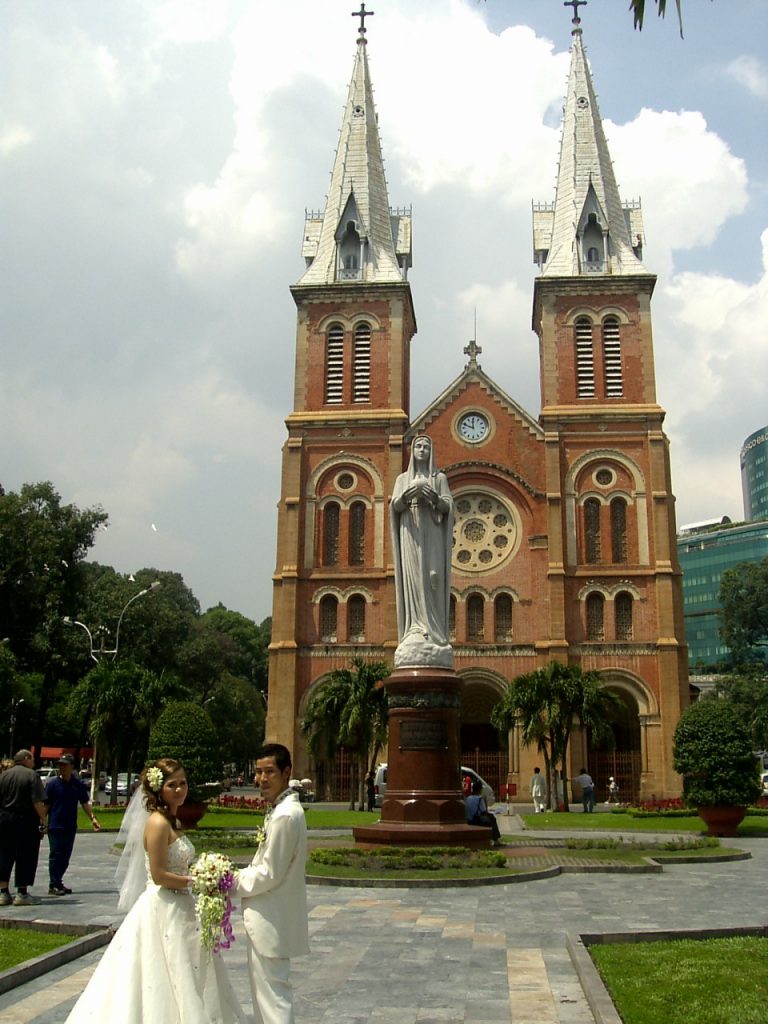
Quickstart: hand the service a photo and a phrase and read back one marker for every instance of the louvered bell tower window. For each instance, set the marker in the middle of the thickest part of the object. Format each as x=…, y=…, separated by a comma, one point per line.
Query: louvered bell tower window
x=362, y=364
x=585, y=359
x=329, y=608
x=357, y=533
x=334, y=365
x=503, y=609
x=623, y=609
x=614, y=382
x=595, y=617
x=592, y=531
x=356, y=618
x=475, y=618
x=618, y=530
x=331, y=534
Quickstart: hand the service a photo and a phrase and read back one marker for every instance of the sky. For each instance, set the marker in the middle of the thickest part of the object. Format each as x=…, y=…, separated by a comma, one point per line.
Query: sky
x=156, y=160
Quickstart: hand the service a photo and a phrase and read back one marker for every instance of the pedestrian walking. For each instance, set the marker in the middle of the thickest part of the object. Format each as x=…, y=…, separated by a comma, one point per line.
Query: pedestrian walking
x=22, y=825
x=587, y=790
x=64, y=794
x=538, y=791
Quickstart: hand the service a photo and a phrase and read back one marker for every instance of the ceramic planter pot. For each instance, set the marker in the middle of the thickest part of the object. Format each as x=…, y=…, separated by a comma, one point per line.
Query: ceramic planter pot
x=190, y=813
x=722, y=821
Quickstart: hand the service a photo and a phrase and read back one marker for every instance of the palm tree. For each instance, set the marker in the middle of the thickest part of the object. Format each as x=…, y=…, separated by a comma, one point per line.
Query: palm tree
x=349, y=710
x=547, y=704
x=119, y=702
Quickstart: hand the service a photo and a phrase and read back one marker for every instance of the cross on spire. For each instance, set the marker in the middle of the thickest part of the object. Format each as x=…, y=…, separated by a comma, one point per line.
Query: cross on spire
x=362, y=14
x=472, y=350
x=575, y=4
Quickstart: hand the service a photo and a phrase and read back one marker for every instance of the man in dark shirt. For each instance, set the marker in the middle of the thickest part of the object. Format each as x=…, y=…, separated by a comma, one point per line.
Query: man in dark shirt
x=22, y=824
x=63, y=794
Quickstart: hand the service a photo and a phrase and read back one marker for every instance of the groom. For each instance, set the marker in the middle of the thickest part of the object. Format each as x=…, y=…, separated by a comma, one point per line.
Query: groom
x=274, y=892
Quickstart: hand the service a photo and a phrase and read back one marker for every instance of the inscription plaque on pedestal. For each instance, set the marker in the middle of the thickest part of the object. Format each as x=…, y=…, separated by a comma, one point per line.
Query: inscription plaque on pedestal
x=423, y=735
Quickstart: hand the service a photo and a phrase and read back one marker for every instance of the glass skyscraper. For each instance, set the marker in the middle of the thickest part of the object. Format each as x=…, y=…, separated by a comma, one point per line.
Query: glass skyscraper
x=754, y=475
x=705, y=552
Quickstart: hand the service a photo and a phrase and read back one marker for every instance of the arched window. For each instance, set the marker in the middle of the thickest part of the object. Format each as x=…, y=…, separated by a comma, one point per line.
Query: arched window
x=334, y=364
x=595, y=617
x=585, y=359
x=331, y=533
x=614, y=382
x=452, y=618
x=592, y=551
x=329, y=613
x=623, y=610
x=356, y=618
x=357, y=533
x=361, y=376
x=618, y=530
x=503, y=618
x=475, y=618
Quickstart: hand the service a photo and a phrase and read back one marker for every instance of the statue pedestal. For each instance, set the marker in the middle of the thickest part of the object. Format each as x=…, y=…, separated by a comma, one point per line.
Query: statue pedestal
x=423, y=805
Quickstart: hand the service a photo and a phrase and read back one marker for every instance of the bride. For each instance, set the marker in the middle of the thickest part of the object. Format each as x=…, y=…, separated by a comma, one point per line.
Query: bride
x=155, y=968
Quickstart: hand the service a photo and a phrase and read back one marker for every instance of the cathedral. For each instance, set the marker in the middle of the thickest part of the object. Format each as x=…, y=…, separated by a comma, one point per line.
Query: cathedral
x=564, y=537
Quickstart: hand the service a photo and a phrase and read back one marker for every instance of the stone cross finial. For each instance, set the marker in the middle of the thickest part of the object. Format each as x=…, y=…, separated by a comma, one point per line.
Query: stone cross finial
x=362, y=14
x=575, y=4
x=472, y=350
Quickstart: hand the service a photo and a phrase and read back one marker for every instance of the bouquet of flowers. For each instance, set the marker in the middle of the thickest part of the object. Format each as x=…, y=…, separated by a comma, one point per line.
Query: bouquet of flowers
x=214, y=876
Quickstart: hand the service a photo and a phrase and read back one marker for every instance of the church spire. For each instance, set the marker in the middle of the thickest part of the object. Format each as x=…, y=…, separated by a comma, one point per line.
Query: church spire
x=357, y=238
x=587, y=230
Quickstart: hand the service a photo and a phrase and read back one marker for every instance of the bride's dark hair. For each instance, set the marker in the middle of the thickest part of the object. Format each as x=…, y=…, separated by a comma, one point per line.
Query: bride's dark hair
x=153, y=799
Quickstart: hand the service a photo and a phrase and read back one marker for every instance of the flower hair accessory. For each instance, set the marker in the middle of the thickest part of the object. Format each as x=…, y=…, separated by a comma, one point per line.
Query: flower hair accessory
x=155, y=778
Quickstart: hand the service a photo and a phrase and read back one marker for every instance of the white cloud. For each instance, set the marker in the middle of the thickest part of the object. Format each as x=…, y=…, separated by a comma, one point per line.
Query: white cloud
x=689, y=180
x=751, y=73
x=13, y=137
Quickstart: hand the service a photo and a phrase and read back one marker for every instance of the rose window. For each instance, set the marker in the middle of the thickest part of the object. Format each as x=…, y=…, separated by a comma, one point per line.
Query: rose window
x=485, y=532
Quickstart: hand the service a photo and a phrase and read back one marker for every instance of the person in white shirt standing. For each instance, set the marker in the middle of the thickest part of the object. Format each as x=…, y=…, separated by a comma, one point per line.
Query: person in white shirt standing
x=538, y=791
x=273, y=891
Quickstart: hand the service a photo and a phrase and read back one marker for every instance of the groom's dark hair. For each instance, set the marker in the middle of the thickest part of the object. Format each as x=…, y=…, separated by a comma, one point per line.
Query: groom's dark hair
x=281, y=754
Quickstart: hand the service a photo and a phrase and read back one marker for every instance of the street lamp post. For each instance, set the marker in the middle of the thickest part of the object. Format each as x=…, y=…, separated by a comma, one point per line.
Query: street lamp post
x=101, y=651
x=12, y=722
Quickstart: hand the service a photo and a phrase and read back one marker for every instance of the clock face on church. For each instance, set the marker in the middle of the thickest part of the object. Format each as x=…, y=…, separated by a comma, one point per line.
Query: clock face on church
x=474, y=427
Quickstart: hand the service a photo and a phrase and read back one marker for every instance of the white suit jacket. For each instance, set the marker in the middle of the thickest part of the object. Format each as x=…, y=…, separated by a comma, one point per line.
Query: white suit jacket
x=273, y=886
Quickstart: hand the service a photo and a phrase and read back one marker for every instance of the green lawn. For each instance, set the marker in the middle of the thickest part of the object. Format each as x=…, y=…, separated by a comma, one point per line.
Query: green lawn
x=224, y=818
x=710, y=981
x=611, y=821
x=19, y=944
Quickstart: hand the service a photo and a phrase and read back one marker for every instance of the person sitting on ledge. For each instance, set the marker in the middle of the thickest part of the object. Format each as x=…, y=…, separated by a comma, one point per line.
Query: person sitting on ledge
x=477, y=813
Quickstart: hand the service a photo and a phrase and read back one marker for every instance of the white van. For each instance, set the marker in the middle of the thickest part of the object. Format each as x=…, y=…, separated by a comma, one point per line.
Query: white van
x=380, y=784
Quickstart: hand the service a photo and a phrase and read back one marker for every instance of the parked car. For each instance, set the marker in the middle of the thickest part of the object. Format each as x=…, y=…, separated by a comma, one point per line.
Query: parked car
x=764, y=782
x=122, y=784
x=380, y=784
x=46, y=774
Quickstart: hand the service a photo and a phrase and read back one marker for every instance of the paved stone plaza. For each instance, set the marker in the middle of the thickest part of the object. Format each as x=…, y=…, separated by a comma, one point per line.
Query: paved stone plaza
x=453, y=956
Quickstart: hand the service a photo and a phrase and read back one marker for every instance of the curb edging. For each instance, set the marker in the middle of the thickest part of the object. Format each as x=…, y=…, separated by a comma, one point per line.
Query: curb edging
x=92, y=937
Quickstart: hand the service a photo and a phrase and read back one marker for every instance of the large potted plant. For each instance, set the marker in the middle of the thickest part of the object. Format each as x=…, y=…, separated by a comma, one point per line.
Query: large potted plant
x=185, y=732
x=713, y=753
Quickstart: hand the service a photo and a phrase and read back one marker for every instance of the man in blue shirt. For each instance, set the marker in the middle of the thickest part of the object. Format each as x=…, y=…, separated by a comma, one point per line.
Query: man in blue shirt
x=63, y=794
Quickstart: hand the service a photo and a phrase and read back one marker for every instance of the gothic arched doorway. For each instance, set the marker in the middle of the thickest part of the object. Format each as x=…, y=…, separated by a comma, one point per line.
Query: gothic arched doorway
x=623, y=762
x=482, y=748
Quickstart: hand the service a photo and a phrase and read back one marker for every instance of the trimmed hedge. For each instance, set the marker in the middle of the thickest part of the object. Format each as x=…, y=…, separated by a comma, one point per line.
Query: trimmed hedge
x=185, y=732
x=713, y=753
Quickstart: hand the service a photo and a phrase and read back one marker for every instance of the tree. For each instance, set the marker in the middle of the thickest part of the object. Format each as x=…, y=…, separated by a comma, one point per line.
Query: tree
x=746, y=689
x=547, y=705
x=349, y=710
x=184, y=731
x=43, y=544
x=713, y=753
x=638, y=10
x=119, y=701
x=744, y=610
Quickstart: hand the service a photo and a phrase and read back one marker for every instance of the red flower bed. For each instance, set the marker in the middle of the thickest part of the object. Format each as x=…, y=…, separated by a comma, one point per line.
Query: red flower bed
x=242, y=803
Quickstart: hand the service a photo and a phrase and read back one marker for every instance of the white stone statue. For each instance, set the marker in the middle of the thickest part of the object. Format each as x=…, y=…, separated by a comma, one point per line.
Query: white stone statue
x=421, y=517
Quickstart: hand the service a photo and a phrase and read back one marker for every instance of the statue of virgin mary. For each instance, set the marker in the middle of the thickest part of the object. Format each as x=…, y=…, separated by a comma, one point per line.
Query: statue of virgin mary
x=421, y=518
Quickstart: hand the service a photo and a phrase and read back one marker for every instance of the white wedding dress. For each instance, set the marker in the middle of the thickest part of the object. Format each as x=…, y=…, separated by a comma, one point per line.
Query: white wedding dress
x=154, y=970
